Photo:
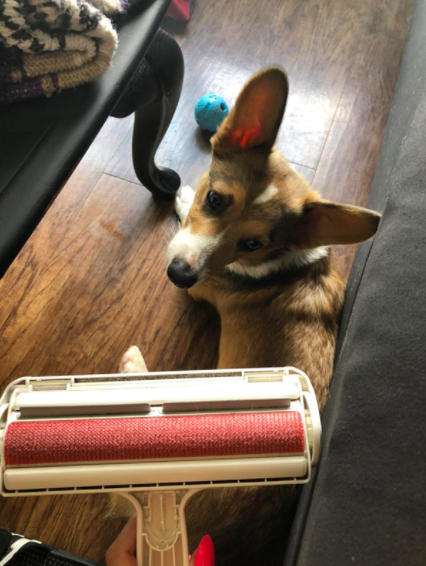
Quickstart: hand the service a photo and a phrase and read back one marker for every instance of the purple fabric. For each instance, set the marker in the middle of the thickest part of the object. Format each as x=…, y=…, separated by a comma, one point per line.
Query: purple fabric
x=10, y=59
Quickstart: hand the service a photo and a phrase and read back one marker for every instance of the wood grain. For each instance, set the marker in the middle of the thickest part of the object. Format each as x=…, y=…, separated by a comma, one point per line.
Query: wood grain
x=307, y=172
x=352, y=149
x=91, y=279
x=105, y=268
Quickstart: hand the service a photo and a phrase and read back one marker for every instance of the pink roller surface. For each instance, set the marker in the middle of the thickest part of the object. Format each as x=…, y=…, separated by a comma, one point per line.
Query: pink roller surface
x=139, y=438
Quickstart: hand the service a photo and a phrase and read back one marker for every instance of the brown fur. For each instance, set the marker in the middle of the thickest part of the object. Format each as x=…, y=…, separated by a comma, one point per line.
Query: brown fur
x=286, y=318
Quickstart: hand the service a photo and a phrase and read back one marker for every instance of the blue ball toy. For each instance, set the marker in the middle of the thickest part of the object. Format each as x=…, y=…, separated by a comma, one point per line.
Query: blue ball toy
x=210, y=111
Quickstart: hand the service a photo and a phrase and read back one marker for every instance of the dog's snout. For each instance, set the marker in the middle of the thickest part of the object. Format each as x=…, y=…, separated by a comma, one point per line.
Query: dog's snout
x=180, y=274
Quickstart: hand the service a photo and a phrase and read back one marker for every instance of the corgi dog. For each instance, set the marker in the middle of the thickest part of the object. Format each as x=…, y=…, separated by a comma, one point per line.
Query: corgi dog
x=254, y=242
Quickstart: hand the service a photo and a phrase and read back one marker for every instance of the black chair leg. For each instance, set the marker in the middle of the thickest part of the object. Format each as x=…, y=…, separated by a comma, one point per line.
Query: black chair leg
x=153, y=95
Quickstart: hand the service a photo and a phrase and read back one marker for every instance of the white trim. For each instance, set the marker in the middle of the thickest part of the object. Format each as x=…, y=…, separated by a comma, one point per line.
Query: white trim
x=290, y=259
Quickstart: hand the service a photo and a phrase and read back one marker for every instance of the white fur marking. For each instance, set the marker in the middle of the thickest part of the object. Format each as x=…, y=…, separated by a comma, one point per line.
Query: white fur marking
x=184, y=199
x=193, y=248
x=267, y=194
x=291, y=259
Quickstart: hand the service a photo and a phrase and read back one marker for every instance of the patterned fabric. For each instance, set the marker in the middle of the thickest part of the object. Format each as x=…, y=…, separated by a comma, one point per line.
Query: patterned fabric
x=50, y=45
x=140, y=438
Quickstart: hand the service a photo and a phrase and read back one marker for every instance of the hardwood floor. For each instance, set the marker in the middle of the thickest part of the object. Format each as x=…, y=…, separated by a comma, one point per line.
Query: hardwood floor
x=91, y=280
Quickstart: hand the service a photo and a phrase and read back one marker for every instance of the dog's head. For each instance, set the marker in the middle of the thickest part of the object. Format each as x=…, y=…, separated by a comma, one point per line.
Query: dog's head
x=251, y=211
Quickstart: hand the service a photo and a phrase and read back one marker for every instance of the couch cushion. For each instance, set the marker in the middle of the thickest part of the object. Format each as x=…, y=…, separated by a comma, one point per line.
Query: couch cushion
x=367, y=502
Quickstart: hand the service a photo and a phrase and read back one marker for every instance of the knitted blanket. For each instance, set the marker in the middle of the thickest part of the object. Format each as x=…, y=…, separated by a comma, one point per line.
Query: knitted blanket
x=50, y=45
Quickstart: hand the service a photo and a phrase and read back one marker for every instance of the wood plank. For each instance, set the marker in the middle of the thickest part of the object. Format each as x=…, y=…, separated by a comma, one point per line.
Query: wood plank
x=391, y=18
x=347, y=166
x=97, y=290
x=351, y=153
x=317, y=43
x=307, y=172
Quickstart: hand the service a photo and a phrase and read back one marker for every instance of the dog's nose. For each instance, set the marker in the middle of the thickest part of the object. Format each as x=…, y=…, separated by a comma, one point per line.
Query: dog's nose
x=180, y=273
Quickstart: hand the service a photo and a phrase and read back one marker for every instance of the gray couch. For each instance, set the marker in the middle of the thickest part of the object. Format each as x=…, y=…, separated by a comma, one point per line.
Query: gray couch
x=367, y=503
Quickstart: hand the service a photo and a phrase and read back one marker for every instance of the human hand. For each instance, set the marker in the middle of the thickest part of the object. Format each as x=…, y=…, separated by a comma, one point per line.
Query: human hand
x=123, y=550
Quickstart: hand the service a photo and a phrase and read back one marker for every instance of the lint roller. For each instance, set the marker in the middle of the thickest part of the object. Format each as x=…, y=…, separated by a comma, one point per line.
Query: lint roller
x=156, y=439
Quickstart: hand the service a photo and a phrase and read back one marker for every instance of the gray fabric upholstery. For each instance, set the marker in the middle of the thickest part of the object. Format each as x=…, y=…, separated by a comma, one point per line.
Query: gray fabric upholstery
x=367, y=503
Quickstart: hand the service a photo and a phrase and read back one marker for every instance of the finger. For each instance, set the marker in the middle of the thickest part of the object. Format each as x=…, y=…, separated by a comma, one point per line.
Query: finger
x=123, y=549
x=126, y=540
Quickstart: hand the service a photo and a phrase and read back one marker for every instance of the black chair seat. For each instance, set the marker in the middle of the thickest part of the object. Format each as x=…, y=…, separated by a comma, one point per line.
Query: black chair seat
x=42, y=140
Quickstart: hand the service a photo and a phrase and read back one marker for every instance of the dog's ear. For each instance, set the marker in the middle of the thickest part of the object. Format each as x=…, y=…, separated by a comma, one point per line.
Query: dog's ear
x=256, y=117
x=325, y=223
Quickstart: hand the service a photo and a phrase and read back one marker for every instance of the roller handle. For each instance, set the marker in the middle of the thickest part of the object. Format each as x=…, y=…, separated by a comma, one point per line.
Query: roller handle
x=161, y=536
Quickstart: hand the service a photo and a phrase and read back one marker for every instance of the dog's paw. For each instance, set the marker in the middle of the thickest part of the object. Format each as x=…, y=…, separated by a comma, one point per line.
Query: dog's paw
x=184, y=199
x=132, y=361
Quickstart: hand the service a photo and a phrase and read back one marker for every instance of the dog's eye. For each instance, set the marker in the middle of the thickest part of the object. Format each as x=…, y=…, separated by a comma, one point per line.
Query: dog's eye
x=250, y=245
x=214, y=200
